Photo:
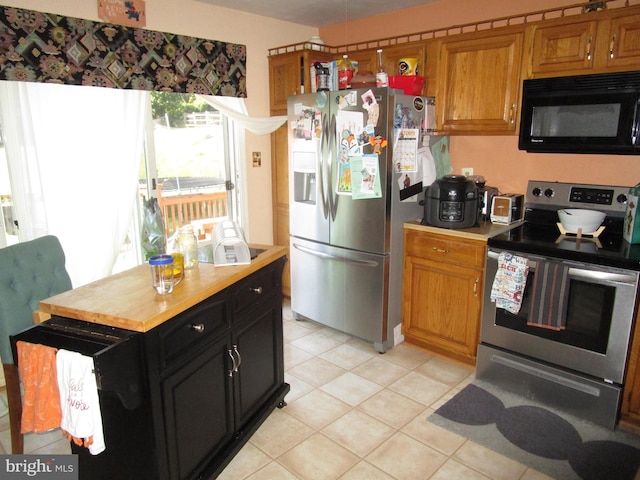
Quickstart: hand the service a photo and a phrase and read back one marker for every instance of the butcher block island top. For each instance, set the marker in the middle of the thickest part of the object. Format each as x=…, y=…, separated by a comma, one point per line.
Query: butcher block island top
x=127, y=300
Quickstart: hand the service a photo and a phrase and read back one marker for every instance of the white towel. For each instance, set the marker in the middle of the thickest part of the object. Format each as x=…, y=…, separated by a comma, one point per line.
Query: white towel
x=509, y=282
x=81, y=417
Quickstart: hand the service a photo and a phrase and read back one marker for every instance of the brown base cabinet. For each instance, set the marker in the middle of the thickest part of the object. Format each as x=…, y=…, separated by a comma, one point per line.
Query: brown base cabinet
x=442, y=293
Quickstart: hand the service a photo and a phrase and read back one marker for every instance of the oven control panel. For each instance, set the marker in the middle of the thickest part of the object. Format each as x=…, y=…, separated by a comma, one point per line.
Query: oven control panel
x=607, y=198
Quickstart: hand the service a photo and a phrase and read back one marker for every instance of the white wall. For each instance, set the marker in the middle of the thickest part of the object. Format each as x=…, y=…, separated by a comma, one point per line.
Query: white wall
x=199, y=19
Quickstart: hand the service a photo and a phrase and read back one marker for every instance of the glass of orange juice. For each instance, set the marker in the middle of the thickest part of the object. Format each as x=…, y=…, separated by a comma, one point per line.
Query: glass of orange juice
x=178, y=266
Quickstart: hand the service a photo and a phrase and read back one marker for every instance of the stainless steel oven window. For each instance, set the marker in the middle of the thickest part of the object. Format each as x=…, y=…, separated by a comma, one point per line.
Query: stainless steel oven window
x=588, y=321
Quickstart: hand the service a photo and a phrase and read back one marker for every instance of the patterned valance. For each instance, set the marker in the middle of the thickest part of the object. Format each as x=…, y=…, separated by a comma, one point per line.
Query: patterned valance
x=49, y=48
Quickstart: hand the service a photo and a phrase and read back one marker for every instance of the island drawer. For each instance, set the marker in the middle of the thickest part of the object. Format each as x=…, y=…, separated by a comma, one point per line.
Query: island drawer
x=257, y=288
x=192, y=328
x=116, y=353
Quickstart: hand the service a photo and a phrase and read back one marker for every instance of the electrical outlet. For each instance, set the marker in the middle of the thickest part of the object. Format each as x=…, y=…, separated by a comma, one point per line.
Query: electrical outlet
x=467, y=171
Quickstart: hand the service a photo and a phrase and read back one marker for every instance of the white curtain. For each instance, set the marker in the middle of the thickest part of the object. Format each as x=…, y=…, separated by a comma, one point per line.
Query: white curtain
x=236, y=109
x=74, y=154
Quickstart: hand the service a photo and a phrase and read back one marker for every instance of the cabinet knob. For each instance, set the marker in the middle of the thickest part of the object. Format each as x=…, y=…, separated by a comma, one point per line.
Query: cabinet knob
x=257, y=290
x=198, y=328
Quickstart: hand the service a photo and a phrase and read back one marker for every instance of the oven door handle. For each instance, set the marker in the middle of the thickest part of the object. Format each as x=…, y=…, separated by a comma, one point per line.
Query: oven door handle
x=603, y=276
x=625, y=278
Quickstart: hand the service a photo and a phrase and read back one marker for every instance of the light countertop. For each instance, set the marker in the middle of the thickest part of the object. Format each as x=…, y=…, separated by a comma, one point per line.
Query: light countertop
x=127, y=299
x=483, y=231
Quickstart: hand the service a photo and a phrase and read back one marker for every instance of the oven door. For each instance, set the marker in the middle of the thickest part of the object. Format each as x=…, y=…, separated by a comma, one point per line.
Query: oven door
x=599, y=316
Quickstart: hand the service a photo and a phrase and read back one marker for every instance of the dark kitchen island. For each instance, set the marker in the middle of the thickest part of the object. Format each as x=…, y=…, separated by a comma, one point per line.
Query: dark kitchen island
x=184, y=380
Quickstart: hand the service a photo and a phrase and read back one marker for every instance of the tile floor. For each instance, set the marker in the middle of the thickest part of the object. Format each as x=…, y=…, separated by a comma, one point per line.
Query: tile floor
x=352, y=413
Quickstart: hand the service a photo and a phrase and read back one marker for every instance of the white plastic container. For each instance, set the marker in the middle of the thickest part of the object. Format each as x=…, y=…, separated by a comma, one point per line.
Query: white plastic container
x=230, y=246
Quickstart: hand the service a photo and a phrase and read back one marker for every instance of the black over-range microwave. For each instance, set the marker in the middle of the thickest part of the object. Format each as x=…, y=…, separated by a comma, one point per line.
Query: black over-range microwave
x=597, y=113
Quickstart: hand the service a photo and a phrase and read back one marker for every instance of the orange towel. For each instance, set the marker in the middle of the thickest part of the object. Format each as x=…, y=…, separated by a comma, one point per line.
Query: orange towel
x=41, y=398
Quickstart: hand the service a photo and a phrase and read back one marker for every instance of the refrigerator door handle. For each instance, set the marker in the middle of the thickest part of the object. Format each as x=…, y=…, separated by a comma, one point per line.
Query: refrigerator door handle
x=324, y=152
x=342, y=258
x=331, y=160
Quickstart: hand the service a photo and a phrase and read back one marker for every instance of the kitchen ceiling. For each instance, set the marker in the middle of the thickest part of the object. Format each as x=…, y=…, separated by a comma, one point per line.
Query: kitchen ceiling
x=317, y=13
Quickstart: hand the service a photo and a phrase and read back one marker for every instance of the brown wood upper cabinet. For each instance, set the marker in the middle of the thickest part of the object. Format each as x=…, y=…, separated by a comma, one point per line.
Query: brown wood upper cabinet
x=593, y=43
x=564, y=46
x=289, y=75
x=624, y=41
x=479, y=81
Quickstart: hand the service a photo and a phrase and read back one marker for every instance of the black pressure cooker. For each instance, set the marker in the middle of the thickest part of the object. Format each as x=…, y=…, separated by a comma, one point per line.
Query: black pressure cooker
x=452, y=201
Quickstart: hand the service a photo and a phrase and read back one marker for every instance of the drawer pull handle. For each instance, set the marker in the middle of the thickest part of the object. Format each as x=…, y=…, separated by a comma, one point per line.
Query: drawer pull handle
x=441, y=250
x=257, y=290
x=612, y=45
x=234, y=367
x=198, y=328
x=235, y=350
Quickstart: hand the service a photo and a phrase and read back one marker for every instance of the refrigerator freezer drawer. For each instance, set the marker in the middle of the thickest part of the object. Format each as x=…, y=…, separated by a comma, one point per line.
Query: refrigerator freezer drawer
x=340, y=288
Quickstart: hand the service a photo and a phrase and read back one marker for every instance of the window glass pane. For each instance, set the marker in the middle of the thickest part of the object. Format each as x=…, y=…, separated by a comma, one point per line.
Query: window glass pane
x=189, y=153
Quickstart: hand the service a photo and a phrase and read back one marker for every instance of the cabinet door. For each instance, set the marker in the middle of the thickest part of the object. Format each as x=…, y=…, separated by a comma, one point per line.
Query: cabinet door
x=564, y=47
x=367, y=60
x=286, y=74
x=624, y=41
x=197, y=403
x=391, y=57
x=280, y=196
x=441, y=307
x=478, y=84
x=258, y=345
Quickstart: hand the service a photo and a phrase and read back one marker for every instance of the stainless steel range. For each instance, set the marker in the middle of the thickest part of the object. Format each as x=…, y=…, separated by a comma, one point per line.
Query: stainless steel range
x=579, y=365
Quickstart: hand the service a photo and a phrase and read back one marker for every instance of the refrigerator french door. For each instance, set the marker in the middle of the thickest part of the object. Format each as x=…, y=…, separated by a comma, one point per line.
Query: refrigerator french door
x=348, y=204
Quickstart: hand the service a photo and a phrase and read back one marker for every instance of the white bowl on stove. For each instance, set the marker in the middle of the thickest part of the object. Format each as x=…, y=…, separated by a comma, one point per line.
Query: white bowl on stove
x=574, y=219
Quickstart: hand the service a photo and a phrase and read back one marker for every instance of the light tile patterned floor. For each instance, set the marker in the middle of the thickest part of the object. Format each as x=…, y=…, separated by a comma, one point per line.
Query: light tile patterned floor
x=352, y=414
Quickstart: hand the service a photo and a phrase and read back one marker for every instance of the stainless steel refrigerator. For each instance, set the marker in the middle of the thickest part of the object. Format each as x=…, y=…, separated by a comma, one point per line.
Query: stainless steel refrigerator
x=356, y=170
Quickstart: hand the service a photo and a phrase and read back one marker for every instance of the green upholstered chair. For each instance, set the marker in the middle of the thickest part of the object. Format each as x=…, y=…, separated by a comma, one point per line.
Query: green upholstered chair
x=29, y=272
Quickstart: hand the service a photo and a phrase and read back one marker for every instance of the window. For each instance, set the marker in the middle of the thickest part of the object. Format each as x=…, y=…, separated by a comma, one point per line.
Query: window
x=188, y=165
x=76, y=154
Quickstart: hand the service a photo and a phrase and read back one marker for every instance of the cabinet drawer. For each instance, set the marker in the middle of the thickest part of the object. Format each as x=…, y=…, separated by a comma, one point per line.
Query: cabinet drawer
x=257, y=288
x=199, y=324
x=440, y=248
x=116, y=353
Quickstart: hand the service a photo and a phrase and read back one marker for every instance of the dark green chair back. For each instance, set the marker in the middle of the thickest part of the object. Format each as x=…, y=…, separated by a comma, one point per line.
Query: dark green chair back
x=29, y=272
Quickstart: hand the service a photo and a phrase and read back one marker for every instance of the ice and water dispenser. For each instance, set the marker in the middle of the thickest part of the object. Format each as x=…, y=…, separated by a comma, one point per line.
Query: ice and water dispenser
x=304, y=177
